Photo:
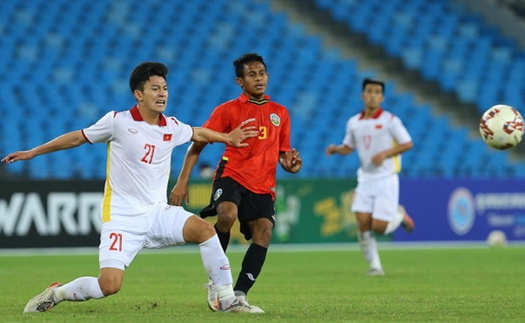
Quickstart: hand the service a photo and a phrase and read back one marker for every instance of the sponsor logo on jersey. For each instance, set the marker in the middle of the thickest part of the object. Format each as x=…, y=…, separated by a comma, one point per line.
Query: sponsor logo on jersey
x=133, y=131
x=276, y=121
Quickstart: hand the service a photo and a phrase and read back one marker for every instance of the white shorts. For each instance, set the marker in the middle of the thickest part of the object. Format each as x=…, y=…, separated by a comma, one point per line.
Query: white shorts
x=380, y=197
x=123, y=237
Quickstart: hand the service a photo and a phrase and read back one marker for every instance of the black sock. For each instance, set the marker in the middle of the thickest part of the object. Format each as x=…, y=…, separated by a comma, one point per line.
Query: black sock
x=224, y=238
x=251, y=267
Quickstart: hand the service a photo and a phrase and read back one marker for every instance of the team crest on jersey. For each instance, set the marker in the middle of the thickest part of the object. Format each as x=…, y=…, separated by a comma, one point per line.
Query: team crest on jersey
x=276, y=121
x=217, y=194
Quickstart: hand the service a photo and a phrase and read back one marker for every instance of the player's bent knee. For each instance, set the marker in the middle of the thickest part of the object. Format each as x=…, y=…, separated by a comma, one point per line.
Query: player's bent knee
x=196, y=230
x=207, y=231
x=227, y=214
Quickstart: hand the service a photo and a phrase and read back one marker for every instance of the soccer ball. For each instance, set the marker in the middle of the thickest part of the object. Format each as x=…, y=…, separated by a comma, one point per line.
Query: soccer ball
x=497, y=238
x=501, y=127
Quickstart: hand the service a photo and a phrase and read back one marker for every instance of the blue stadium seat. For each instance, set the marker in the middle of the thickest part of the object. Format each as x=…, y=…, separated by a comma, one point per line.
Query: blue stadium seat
x=76, y=74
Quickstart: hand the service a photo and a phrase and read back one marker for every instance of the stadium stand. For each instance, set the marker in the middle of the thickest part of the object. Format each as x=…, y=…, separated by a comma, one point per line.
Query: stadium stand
x=444, y=43
x=66, y=63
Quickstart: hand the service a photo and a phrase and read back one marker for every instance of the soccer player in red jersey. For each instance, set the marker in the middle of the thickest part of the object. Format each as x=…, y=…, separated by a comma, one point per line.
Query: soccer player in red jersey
x=244, y=181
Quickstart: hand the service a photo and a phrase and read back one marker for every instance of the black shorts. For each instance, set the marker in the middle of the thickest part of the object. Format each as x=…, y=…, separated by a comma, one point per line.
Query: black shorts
x=250, y=205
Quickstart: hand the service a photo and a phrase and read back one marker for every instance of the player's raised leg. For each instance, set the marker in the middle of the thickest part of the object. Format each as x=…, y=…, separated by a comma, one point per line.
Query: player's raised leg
x=407, y=223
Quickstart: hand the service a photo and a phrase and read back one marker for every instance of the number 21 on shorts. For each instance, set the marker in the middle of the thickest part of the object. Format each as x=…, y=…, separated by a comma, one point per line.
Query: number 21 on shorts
x=116, y=241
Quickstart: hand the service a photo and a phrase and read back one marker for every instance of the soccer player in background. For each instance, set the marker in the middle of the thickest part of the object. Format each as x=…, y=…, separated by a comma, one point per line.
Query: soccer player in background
x=244, y=180
x=135, y=213
x=379, y=137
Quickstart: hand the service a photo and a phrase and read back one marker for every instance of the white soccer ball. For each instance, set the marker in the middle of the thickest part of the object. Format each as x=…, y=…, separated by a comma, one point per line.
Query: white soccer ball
x=497, y=238
x=501, y=127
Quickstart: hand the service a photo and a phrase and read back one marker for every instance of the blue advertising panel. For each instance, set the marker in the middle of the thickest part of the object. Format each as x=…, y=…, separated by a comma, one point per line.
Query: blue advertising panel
x=463, y=210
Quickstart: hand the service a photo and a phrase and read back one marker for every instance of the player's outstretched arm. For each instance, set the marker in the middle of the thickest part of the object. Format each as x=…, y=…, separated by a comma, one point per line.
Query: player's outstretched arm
x=290, y=161
x=68, y=140
x=202, y=136
x=341, y=150
x=235, y=138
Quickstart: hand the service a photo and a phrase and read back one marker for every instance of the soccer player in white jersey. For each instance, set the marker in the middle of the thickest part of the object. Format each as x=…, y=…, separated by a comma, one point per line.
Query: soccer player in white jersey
x=379, y=137
x=135, y=212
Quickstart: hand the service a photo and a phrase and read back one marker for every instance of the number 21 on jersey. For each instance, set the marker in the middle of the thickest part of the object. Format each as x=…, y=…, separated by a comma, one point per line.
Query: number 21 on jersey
x=148, y=156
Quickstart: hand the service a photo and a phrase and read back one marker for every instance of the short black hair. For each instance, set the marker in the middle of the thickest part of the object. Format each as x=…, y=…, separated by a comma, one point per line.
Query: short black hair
x=373, y=81
x=244, y=59
x=142, y=72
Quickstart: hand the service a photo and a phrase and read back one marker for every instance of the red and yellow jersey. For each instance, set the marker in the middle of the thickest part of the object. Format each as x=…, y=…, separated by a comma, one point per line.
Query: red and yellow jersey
x=254, y=166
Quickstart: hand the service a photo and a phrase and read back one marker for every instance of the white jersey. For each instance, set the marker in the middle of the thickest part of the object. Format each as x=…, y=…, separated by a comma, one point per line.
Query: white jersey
x=371, y=136
x=139, y=159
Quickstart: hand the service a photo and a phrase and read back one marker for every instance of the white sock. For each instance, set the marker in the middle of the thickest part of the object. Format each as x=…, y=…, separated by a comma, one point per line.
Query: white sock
x=80, y=289
x=215, y=262
x=217, y=267
x=364, y=243
x=394, y=224
x=368, y=245
x=375, y=262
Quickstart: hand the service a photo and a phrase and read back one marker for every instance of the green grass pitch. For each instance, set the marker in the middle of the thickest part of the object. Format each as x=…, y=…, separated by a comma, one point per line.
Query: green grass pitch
x=423, y=285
